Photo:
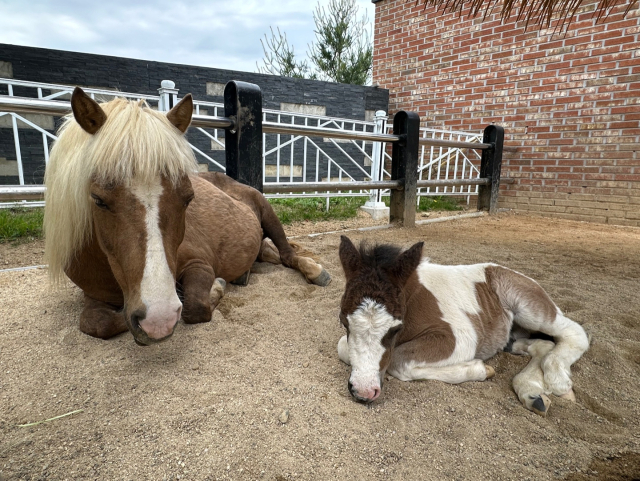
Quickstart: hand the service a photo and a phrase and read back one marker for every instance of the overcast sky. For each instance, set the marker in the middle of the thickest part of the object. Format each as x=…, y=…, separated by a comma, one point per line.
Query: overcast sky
x=212, y=33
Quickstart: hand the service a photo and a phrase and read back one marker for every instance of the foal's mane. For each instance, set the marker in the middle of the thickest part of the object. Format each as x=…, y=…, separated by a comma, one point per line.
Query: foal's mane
x=378, y=256
x=135, y=141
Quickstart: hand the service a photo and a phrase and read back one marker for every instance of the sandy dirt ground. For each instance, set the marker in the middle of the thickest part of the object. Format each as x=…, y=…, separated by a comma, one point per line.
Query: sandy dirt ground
x=259, y=392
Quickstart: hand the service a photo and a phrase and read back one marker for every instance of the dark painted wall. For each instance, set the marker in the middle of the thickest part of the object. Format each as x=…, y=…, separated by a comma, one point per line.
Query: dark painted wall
x=141, y=76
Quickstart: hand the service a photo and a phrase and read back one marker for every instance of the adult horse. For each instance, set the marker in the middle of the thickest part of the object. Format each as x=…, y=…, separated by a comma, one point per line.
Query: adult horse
x=128, y=219
x=425, y=321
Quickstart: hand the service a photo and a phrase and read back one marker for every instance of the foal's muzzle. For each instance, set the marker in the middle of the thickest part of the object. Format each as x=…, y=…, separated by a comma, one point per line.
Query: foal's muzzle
x=365, y=395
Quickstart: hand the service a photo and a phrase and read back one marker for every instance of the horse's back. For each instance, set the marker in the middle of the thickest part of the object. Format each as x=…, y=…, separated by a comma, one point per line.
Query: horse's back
x=236, y=190
x=220, y=231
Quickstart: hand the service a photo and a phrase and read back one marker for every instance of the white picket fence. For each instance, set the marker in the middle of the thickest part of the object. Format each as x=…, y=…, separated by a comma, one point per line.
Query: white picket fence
x=286, y=158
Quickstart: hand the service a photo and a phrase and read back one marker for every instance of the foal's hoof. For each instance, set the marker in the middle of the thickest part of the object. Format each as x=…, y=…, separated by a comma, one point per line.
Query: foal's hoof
x=243, y=280
x=540, y=405
x=490, y=371
x=323, y=280
x=569, y=395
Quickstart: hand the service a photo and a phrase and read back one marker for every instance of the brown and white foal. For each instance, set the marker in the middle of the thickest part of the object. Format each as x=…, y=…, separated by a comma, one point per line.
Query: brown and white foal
x=417, y=321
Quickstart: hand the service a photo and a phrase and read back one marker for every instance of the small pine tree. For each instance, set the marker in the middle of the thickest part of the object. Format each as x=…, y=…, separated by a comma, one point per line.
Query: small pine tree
x=279, y=58
x=342, y=51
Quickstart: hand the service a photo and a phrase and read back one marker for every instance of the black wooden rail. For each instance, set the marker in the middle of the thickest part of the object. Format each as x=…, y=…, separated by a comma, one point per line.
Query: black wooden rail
x=243, y=147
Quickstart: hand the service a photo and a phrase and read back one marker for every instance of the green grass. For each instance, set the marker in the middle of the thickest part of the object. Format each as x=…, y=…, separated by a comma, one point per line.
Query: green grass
x=315, y=208
x=434, y=203
x=26, y=224
x=21, y=224
x=439, y=203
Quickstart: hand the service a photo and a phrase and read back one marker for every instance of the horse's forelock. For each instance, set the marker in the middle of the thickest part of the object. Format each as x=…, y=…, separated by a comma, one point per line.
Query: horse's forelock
x=135, y=141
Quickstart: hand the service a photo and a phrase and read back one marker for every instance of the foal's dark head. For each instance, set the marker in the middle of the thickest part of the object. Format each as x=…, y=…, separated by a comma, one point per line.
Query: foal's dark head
x=372, y=309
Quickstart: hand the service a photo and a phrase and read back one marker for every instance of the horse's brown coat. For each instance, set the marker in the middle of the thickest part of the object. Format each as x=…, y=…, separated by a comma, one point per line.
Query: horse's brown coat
x=147, y=207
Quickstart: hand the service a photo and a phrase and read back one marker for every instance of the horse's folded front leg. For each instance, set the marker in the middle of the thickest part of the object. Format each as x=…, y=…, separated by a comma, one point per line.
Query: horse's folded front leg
x=101, y=320
x=202, y=293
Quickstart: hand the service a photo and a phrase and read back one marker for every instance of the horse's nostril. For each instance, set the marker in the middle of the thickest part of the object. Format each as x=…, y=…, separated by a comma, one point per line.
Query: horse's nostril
x=350, y=387
x=136, y=317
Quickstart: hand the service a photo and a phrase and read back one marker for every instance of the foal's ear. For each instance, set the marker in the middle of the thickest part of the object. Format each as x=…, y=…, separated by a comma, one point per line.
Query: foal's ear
x=180, y=114
x=349, y=257
x=406, y=263
x=87, y=112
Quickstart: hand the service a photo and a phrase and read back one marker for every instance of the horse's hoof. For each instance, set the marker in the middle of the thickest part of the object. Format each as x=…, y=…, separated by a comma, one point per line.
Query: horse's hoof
x=569, y=395
x=322, y=280
x=490, y=371
x=540, y=405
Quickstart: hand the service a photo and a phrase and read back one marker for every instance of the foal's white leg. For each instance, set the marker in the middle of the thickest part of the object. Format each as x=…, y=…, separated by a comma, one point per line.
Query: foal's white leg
x=474, y=370
x=571, y=343
x=535, y=311
x=217, y=291
x=529, y=384
x=343, y=350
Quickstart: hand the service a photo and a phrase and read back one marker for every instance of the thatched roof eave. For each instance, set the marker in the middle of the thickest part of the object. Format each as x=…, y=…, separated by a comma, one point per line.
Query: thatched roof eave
x=540, y=13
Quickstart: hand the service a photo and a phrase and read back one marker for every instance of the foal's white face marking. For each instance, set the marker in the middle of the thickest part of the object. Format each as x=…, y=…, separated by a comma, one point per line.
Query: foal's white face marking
x=367, y=326
x=157, y=288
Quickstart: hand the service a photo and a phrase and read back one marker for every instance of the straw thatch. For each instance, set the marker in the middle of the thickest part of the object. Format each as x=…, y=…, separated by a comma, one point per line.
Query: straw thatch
x=543, y=13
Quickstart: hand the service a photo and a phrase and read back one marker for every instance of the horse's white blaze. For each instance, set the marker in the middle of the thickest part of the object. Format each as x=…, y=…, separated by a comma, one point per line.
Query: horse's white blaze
x=157, y=288
x=367, y=326
x=454, y=287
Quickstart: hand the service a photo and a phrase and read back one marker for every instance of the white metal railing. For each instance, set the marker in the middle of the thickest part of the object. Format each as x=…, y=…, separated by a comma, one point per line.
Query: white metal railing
x=286, y=158
x=444, y=163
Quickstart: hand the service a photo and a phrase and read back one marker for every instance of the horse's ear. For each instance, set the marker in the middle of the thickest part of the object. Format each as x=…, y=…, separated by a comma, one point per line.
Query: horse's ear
x=406, y=263
x=180, y=114
x=349, y=257
x=87, y=112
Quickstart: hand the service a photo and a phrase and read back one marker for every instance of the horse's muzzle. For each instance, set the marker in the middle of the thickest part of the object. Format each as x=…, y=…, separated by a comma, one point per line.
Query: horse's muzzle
x=146, y=331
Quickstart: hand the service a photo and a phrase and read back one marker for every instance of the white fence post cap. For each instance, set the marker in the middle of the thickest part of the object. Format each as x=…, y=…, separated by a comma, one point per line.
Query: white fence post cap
x=168, y=84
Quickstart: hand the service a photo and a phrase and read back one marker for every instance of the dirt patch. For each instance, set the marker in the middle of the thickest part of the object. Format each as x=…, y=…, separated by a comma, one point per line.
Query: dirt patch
x=21, y=254
x=208, y=403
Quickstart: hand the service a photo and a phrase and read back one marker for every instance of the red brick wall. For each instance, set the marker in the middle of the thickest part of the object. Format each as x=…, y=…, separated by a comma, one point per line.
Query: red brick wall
x=569, y=103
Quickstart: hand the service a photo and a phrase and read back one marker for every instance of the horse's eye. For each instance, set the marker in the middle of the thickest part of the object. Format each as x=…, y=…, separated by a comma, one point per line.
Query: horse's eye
x=188, y=201
x=344, y=320
x=99, y=202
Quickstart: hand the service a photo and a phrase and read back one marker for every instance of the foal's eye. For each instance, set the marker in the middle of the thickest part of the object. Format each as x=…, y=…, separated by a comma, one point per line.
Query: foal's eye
x=188, y=201
x=394, y=330
x=99, y=202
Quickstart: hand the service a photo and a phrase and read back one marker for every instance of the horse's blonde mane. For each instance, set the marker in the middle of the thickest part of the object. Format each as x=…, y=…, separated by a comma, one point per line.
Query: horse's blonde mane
x=135, y=141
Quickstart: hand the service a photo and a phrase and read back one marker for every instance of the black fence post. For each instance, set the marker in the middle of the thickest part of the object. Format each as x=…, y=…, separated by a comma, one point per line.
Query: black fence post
x=490, y=166
x=243, y=143
x=404, y=167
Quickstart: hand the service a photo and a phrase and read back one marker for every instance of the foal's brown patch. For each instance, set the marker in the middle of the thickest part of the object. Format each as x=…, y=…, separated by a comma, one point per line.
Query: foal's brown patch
x=511, y=284
x=423, y=319
x=492, y=324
